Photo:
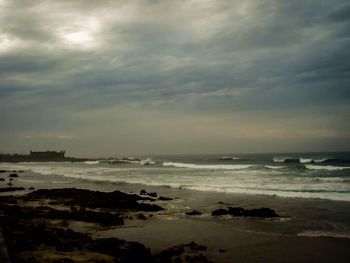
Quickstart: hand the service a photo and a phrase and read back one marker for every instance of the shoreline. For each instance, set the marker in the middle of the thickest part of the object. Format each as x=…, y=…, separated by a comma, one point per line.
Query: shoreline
x=243, y=239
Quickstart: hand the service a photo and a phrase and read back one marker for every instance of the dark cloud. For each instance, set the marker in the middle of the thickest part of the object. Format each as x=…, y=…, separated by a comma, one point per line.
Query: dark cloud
x=110, y=68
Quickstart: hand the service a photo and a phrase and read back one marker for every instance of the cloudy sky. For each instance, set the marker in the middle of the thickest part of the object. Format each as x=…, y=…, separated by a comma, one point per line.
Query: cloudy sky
x=162, y=76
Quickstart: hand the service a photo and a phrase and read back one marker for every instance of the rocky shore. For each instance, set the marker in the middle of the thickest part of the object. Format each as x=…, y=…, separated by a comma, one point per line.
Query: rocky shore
x=35, y=227
x=57, y=219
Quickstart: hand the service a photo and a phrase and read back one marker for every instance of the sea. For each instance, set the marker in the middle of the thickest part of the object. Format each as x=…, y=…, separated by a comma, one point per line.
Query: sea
x=303, y=175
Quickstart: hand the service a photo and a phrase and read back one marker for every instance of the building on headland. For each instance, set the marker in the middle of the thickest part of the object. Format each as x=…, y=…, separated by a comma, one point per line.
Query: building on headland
x=47, y=155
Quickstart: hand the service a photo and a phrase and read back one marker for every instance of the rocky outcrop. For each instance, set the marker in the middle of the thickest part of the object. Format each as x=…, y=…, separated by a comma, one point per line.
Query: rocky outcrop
x=239, y=211
x=95, y=199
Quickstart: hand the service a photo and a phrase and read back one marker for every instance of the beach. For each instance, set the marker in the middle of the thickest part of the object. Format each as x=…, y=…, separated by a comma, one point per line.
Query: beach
x=306, y=229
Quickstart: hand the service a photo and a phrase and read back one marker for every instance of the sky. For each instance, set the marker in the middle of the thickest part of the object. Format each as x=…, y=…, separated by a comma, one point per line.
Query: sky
x=115, y=77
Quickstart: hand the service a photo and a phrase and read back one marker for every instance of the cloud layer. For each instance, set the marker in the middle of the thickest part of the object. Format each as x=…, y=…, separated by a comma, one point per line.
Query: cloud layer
x=157, y=76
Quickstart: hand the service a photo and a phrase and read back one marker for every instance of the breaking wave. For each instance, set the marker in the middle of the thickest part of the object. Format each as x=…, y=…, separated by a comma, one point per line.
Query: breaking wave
x=287, y=159
x=228, y=158
x=326, y=167
x=91, y=162
x=324, y=234
x=208, y=166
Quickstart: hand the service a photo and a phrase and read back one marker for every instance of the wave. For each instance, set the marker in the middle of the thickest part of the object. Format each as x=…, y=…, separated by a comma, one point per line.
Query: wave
x=279, y=159
x=147, y=161
x=207, y=166
x=323, y=234
x=303, y=160
x=326, y=167
x=91, y=162
x=227, y=158
x=330, y=179
x=275, y=166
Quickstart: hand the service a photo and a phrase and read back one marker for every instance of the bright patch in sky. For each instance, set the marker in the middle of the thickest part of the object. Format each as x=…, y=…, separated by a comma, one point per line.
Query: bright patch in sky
x=79, y=38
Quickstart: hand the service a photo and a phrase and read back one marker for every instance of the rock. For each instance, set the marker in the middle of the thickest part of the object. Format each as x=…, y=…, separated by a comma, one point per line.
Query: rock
x=2, y=179
x=3, y=171
x=193, y=213
x=11, y=189
x=261, y=212
x=95, y=199
x=239, y=211
x=143, y=192
x=149, y=207
x=141, y=216
x=121, y=250
x=220, y=212
x=13, y=175
x=182, y=253
x=31, y=188
x=195, y=247
x=236, y=211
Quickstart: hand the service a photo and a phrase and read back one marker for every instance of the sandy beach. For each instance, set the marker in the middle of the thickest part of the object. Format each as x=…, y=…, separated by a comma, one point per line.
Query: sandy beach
x=304, y=230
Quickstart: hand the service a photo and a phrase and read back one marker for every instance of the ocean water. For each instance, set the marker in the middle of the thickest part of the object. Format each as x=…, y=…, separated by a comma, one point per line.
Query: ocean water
x=304, y=175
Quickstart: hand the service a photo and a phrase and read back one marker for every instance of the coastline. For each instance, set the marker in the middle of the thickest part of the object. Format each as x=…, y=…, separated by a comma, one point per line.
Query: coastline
x=306, y=231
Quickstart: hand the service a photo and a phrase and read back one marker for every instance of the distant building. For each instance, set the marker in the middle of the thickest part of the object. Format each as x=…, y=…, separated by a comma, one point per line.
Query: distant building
x=47, y=155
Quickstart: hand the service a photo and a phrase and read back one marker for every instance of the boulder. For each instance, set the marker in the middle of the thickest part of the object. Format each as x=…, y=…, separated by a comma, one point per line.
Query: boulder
x=261, y=212
x=236, y=211
x=13, y=175
x=239, y=211
x=193, y=213
x=220, y=212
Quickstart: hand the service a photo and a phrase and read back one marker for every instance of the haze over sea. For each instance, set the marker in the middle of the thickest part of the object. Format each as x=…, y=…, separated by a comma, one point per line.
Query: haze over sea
x=304, y=175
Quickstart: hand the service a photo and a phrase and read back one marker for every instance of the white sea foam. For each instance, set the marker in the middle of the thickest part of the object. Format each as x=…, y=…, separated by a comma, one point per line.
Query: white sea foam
x=326, y=167
x=324, y=234
x=284, y=159
x=229, y=158
x=306, y=160
x=207, y=166
x=245, y=179
x=330, y=179
x=275, y=166
x=91, y=162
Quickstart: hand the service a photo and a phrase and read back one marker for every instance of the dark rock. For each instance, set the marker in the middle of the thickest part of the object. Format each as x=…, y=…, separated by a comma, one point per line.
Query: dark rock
x=95, y=199
x=63, y=260
x=149, y=207
x=143, y=192
x=182, y=253
x=2, y=179
x=44, y=212
x=197, y=259
x=141, y=216
x=11, y=189
x=154, y=194
x=193, y=213
x=13, y=175
x=195, y=247
x=261, y=212
x=220, y=212
x=236, y=211
x=123, y=251
x=3, y=171
x=239, y=211
x=31, y=188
